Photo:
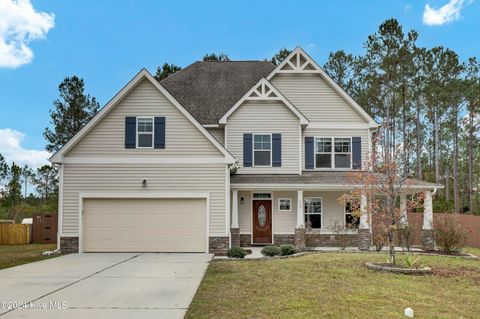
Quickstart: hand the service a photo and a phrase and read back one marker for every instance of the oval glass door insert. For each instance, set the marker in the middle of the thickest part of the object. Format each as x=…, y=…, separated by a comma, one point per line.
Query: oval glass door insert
x=262, y=215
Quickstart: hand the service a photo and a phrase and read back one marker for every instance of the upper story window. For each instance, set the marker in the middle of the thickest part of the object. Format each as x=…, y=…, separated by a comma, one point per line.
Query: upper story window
x=333, y=152
x=144, y=132
x=262, y=150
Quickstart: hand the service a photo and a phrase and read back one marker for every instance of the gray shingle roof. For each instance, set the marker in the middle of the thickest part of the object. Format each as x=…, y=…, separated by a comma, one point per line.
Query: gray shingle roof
x=308, y=178
x=208, y=89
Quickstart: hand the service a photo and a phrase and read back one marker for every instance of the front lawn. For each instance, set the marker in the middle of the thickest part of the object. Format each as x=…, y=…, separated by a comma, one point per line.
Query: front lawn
x=336, y=285
x=14, y=255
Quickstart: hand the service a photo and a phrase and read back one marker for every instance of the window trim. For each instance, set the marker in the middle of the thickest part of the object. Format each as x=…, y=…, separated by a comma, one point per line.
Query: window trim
x=290, y=205
x=321, y=211
x=345, y=211
x=332, y=153
x=253, y=149
x=143, y=133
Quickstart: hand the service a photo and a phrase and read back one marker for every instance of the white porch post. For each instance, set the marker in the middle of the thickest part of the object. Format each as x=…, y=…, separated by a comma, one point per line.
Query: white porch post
x=364, y=238
x=428, y=242
x=234, y=209
x=364, y=214
x=403, y=210
x=428, y=211
x=300, y=220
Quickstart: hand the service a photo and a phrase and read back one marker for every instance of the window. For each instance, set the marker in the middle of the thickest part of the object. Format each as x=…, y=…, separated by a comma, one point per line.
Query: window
x=262, y=150
x=352, y=207
x=284, y=204
x=144, y=132
x=338, y=156
x=313, y=211
x=262, y=195
x=323, y=155
x=343, y=152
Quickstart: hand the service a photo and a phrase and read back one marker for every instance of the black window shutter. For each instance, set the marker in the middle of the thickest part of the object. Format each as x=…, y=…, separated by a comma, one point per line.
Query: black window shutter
x=159, y=138
x=130, y=130
x=309, y=153
x=356, y=152
x=276, y=150
x=247, y=150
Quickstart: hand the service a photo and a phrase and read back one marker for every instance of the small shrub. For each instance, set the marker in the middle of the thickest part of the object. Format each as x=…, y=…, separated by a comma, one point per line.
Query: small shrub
x=340, y=231
x=270, y=251
x=380, y=236
x=406, y=236
x=287, y=250
x=310, y=242
x=236, y=252
x=449, y=234
x=412, y=262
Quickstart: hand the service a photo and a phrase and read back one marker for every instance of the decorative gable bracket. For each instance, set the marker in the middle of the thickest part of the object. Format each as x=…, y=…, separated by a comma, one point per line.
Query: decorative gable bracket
x=264, y=91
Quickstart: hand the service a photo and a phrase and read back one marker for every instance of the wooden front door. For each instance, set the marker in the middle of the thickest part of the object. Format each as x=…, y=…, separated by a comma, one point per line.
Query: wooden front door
x=262, y=222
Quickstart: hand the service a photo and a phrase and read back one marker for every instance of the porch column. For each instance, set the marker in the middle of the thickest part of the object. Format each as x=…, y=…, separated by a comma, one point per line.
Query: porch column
x=234, y=228
x=364, y=241
x=300, y=228
x=427, y=233
x=300, y=219
x=403, y=222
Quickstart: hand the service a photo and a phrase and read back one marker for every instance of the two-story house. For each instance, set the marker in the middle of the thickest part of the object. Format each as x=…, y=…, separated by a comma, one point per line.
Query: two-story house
x=218, y=154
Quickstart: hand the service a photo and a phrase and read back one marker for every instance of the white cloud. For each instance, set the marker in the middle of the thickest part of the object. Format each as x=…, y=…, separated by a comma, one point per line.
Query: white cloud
x=20, y=24
x=11, y=148
x=448, y=13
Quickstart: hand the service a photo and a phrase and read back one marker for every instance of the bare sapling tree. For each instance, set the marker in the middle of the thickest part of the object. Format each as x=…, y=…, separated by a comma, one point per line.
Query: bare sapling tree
x=382, y=184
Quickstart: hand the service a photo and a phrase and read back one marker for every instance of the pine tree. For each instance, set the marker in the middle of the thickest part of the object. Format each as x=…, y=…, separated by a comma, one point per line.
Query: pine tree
x=165, y=71
x=71, y=112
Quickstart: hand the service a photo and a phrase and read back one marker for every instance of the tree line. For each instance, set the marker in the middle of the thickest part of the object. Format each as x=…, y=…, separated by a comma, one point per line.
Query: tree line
x=427, y=100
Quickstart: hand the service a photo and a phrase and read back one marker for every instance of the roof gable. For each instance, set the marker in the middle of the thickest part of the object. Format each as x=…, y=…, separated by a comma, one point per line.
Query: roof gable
x=131, y=85
x=301, y=63
x=265, y=91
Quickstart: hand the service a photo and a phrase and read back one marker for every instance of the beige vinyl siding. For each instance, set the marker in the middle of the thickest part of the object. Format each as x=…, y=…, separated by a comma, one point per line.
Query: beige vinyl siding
x=265, y=117
x=218, y=133
x=318, y=132
x=315, y=98
x=107, y=138
x=115, y=178
x=332, y=209
x=284, y=222
x=245, y=212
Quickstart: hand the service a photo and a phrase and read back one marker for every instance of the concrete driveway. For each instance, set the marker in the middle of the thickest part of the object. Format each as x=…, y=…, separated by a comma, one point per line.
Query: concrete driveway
x=103, y=286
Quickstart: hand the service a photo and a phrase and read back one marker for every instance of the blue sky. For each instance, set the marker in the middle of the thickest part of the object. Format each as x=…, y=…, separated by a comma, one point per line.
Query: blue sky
x=108, y=42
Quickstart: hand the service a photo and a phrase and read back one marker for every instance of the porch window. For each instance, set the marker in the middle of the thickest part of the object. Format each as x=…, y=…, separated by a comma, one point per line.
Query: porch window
x=313, y=211
x=262, y=149
x=333, y=152
x=352, y=219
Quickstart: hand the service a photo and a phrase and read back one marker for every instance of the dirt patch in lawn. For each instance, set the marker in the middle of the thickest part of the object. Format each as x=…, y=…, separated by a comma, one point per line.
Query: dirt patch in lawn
x=460, y=271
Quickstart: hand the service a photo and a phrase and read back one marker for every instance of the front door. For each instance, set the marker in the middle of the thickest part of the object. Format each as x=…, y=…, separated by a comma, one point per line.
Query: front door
x=262, y=222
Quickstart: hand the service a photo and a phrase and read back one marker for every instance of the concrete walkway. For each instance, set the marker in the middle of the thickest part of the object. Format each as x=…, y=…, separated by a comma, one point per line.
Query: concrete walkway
x=103, y=286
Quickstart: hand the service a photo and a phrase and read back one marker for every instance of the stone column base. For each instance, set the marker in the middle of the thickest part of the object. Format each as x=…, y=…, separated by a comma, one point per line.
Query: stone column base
x=428, y=241
x=363, y=239
x=300, y=239
x=218, y=245
x=235, y=237
x=69, y=245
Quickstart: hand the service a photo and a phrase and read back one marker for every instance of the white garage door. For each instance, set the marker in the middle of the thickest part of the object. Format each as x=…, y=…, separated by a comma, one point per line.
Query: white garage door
x=144, y=225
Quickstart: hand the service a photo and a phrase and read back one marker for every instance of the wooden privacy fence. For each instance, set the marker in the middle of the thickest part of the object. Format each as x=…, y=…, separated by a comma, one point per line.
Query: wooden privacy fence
x=15, y=234
x=44, y=228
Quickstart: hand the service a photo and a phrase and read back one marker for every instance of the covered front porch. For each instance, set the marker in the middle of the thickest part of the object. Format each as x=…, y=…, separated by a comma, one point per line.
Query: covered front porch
x=275, y=209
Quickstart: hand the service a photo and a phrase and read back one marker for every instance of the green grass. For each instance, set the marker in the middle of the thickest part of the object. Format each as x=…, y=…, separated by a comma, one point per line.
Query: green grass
x=472, y=250
x=336, y=285
x=14, y=255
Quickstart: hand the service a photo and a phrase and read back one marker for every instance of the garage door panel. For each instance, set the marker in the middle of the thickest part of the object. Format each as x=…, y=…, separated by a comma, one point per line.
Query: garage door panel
x=153, y=225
